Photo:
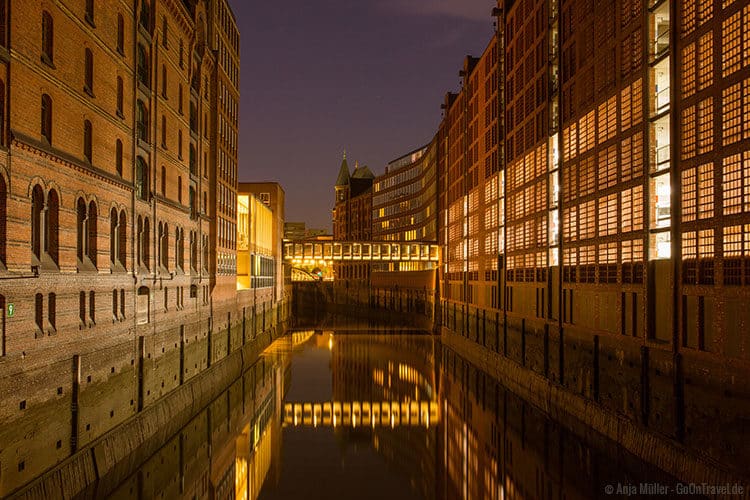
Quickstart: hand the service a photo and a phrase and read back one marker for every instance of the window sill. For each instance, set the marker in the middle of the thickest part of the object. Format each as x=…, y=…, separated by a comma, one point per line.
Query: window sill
x=90, y=19
x=88, y=90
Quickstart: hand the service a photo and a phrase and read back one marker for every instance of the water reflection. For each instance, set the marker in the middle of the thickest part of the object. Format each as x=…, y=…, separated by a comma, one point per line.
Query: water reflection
x=377, y=414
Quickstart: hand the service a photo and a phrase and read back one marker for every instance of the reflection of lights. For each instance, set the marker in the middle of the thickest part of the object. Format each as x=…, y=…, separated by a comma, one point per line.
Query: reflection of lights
x=330, y=343
x=354, y=420
x=393, y=421
x=315, y=420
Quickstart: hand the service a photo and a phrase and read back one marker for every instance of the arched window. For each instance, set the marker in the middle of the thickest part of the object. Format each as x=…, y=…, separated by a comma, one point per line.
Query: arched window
x=164, y=247
x=179, y=251
x=122, y=230
x=120, y=34
x=87, y=140
x=193, y=251
x=46, y=128
x=143, y=66
x=118, y=157
x=91, y=247
x=51, y=236
x=139, y=244
x=47, y=37
x=163, y=181
x=142, y=122
x=37, y=210
x=120, y=96
x=205, y=252
x=3, y=221
x=141, y=179
x=88, y=83
x=114, y=220
x=146, y=243
x=81, y=230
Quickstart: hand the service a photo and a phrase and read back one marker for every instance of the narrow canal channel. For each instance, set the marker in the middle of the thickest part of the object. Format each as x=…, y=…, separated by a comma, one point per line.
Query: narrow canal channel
x=373, y=413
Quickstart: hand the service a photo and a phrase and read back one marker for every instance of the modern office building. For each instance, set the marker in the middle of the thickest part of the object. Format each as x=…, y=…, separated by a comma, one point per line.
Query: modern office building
x=404, y=200
x=613, y=224
x=259, y=233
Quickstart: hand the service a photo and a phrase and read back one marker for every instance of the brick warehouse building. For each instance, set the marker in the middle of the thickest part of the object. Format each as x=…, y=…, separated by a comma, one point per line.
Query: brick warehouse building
x=352, y=216
x=118, y=177
x=606, y=248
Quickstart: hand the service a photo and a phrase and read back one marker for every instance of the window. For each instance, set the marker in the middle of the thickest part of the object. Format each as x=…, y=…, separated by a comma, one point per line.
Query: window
x=179, y=252
x=86, y=225
x=141, y=179
x=179, y=189
x=120, y=34
x=46, y=128
x=193, y=253
x=164, y=32
x=51, y=311
x=179, y=98
x=37, y=209
x=164, y=81
x=39, y=311
x=114, y=306
x=81, y=310
x=44, y=226
x=118, y=157
x=163, y=181
x=146, y=250
x=114, y=221
x=122, y=235
x=145, y=17
x=179, y=144
x=47, y=38
x=90, y=11
x=120, y=95
x=143, y=66
x=142, y=122
x=164, y=245
x=182, y=53
x=3, y=221
x=87, y=140
x=88, y=84
x=92, y=307
x=205, y=252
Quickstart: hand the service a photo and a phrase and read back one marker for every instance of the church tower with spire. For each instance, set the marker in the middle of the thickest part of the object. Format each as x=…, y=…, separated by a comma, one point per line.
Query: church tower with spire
x=342, y=182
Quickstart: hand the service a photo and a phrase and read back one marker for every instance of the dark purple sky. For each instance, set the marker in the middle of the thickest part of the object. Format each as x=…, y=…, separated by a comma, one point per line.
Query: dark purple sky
x=368, y=76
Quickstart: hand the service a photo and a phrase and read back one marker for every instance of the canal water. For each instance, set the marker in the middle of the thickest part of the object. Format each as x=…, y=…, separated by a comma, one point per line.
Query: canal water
x=374, y=413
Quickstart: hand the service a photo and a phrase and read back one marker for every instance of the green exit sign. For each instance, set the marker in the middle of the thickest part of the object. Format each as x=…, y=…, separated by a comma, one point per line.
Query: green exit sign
x=11, y=310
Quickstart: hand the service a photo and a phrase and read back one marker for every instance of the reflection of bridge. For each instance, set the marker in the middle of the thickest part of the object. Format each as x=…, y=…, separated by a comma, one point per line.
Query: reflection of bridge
x=305, y=252
x=365, y=413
